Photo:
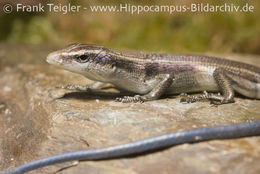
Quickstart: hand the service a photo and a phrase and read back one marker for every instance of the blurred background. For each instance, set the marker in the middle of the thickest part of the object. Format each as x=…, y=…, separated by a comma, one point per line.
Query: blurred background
x=230, y=32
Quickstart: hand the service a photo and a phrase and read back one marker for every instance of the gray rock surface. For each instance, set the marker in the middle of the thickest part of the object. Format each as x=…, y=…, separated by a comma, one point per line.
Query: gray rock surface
x=37, y=120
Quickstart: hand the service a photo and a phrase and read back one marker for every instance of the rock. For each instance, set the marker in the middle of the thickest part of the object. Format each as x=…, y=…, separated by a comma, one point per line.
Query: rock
x=39, y=120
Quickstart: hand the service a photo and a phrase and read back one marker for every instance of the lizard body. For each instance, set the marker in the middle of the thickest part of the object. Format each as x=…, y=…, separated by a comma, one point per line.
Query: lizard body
x=152, y=75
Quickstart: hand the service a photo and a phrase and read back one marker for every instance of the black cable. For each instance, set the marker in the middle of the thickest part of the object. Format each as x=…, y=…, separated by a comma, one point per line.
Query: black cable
x=147, y=145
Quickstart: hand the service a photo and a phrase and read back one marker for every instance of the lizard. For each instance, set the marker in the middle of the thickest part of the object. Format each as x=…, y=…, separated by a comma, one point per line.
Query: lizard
x=150, y=76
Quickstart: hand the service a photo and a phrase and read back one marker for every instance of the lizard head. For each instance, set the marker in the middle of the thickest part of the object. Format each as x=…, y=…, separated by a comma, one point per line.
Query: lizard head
x=89, y=60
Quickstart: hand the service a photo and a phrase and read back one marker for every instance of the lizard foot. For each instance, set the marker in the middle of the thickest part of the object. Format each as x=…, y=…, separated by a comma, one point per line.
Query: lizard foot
x=215, y=99
x=129, y=99
x=192, y=99
x=220, y=102
x=75, y=87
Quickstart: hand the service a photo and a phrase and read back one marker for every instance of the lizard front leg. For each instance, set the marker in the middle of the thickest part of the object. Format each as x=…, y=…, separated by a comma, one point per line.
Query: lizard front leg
x=93, y=86
x=225, y=87
x=154, y=94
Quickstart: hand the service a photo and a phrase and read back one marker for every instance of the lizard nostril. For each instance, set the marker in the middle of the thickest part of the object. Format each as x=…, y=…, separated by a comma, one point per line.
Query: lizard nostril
x=54, y=58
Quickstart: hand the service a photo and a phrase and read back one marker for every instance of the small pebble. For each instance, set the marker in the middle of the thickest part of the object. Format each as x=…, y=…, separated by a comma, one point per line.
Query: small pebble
x=7, y=89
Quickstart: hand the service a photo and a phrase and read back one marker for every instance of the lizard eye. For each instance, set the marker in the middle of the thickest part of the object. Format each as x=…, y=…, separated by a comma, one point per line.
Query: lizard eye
x=82, y=58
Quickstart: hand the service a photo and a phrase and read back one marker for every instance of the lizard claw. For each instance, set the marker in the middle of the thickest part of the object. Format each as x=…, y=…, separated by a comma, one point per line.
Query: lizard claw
x=129, y=99
x=65, y=87
x=188, y=99
x=75, y=87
